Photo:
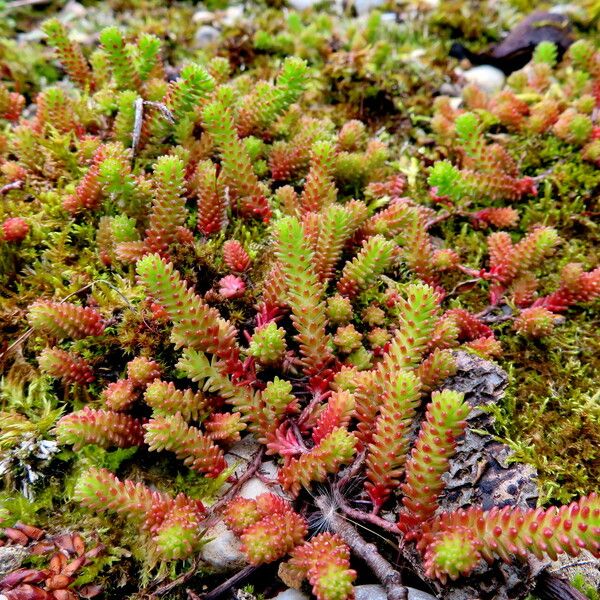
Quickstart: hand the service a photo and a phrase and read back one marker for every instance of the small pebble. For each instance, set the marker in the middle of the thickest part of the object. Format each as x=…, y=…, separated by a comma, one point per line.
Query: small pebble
x=568, y=9
x=301, y=4
x=71, y=11
x=223, y=552
x=205, y=35
x=585, y=564
x=291, y=595
x=11, y=558
x=232, y=15
x=388, y=17
x=376, y=592
x=365, y=6
x=203, y=16
x=255, y=487
x=486, y=78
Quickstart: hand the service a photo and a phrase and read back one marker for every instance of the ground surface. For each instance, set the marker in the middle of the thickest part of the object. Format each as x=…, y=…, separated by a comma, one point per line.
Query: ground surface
x=389, y=69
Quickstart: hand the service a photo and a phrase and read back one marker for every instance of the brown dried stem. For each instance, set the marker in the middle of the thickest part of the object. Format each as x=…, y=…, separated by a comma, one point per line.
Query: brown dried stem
x=388, y=576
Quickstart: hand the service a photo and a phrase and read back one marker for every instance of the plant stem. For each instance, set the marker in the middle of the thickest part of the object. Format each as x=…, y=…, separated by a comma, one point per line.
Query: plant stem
x=383, y=570
x=220, y=590
x=359, y=515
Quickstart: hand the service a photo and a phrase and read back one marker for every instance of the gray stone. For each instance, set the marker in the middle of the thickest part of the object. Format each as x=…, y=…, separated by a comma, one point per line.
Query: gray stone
x=232, y=15
x=291, y=595
x=204, y=17
x=450, y=89
x=571, y=10
x=376, y=592
x=244, y=450
x=243, y=453
x=388, y=17
x=223, y=553
x=11, y=558
x=255, y=487
x=72, y=10
x=481, y=474
x=365, y=6
x=301, y=5
x=205, y=35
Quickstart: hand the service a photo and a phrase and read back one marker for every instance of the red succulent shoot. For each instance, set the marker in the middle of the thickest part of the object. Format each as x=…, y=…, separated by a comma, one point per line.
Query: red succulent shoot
x=231, y=286
x=15, y=230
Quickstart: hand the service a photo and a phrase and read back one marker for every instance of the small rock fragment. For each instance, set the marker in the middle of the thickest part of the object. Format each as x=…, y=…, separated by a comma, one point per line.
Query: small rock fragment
x=291, y=595
x=11, y=558
x=486, y=78
x=205, y=35
x=223, y=553
x=364, y=6
x=376, y=592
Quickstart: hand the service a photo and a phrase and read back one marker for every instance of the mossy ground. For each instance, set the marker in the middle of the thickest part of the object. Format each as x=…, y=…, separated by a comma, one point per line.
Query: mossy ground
x=551, y=412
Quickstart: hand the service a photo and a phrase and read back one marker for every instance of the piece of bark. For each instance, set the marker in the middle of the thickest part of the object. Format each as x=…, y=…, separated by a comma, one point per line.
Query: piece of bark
x=480, y=472
x=552, y=587
x=481, y=475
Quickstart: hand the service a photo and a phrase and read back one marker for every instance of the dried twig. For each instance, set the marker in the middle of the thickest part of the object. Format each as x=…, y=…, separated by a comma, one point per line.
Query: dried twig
x=24, y=3
x=167, y=587
x=440, y=218
x=14, y=185
x=235, y=488
x=137, y=124
x=575, y=563
x=359, y=515
x=383, y=570
x=138, y=120
x=551, y=587
x=227, y=585
x=164, y=111
x=487, y=316
x=447, y=214
x=461, y=285
x=353, y=470
x=308, y=409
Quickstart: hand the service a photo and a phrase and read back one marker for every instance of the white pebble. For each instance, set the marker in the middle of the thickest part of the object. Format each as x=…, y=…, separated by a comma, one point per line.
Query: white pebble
x=72, y=10
x=364, y=6
x=203, y=16
x=291, y=595
x=301, y=4
x=205, y=35
x=255, y=487
x=232, y=15
x=223, y=552
x=486, y=78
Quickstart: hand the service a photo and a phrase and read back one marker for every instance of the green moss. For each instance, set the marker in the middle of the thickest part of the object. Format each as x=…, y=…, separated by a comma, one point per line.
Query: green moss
x=550, y=413
x=579, y=582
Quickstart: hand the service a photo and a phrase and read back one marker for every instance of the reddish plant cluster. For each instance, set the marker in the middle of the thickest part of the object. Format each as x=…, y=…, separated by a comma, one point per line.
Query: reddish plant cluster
x=325, y=335
x=54, y=582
